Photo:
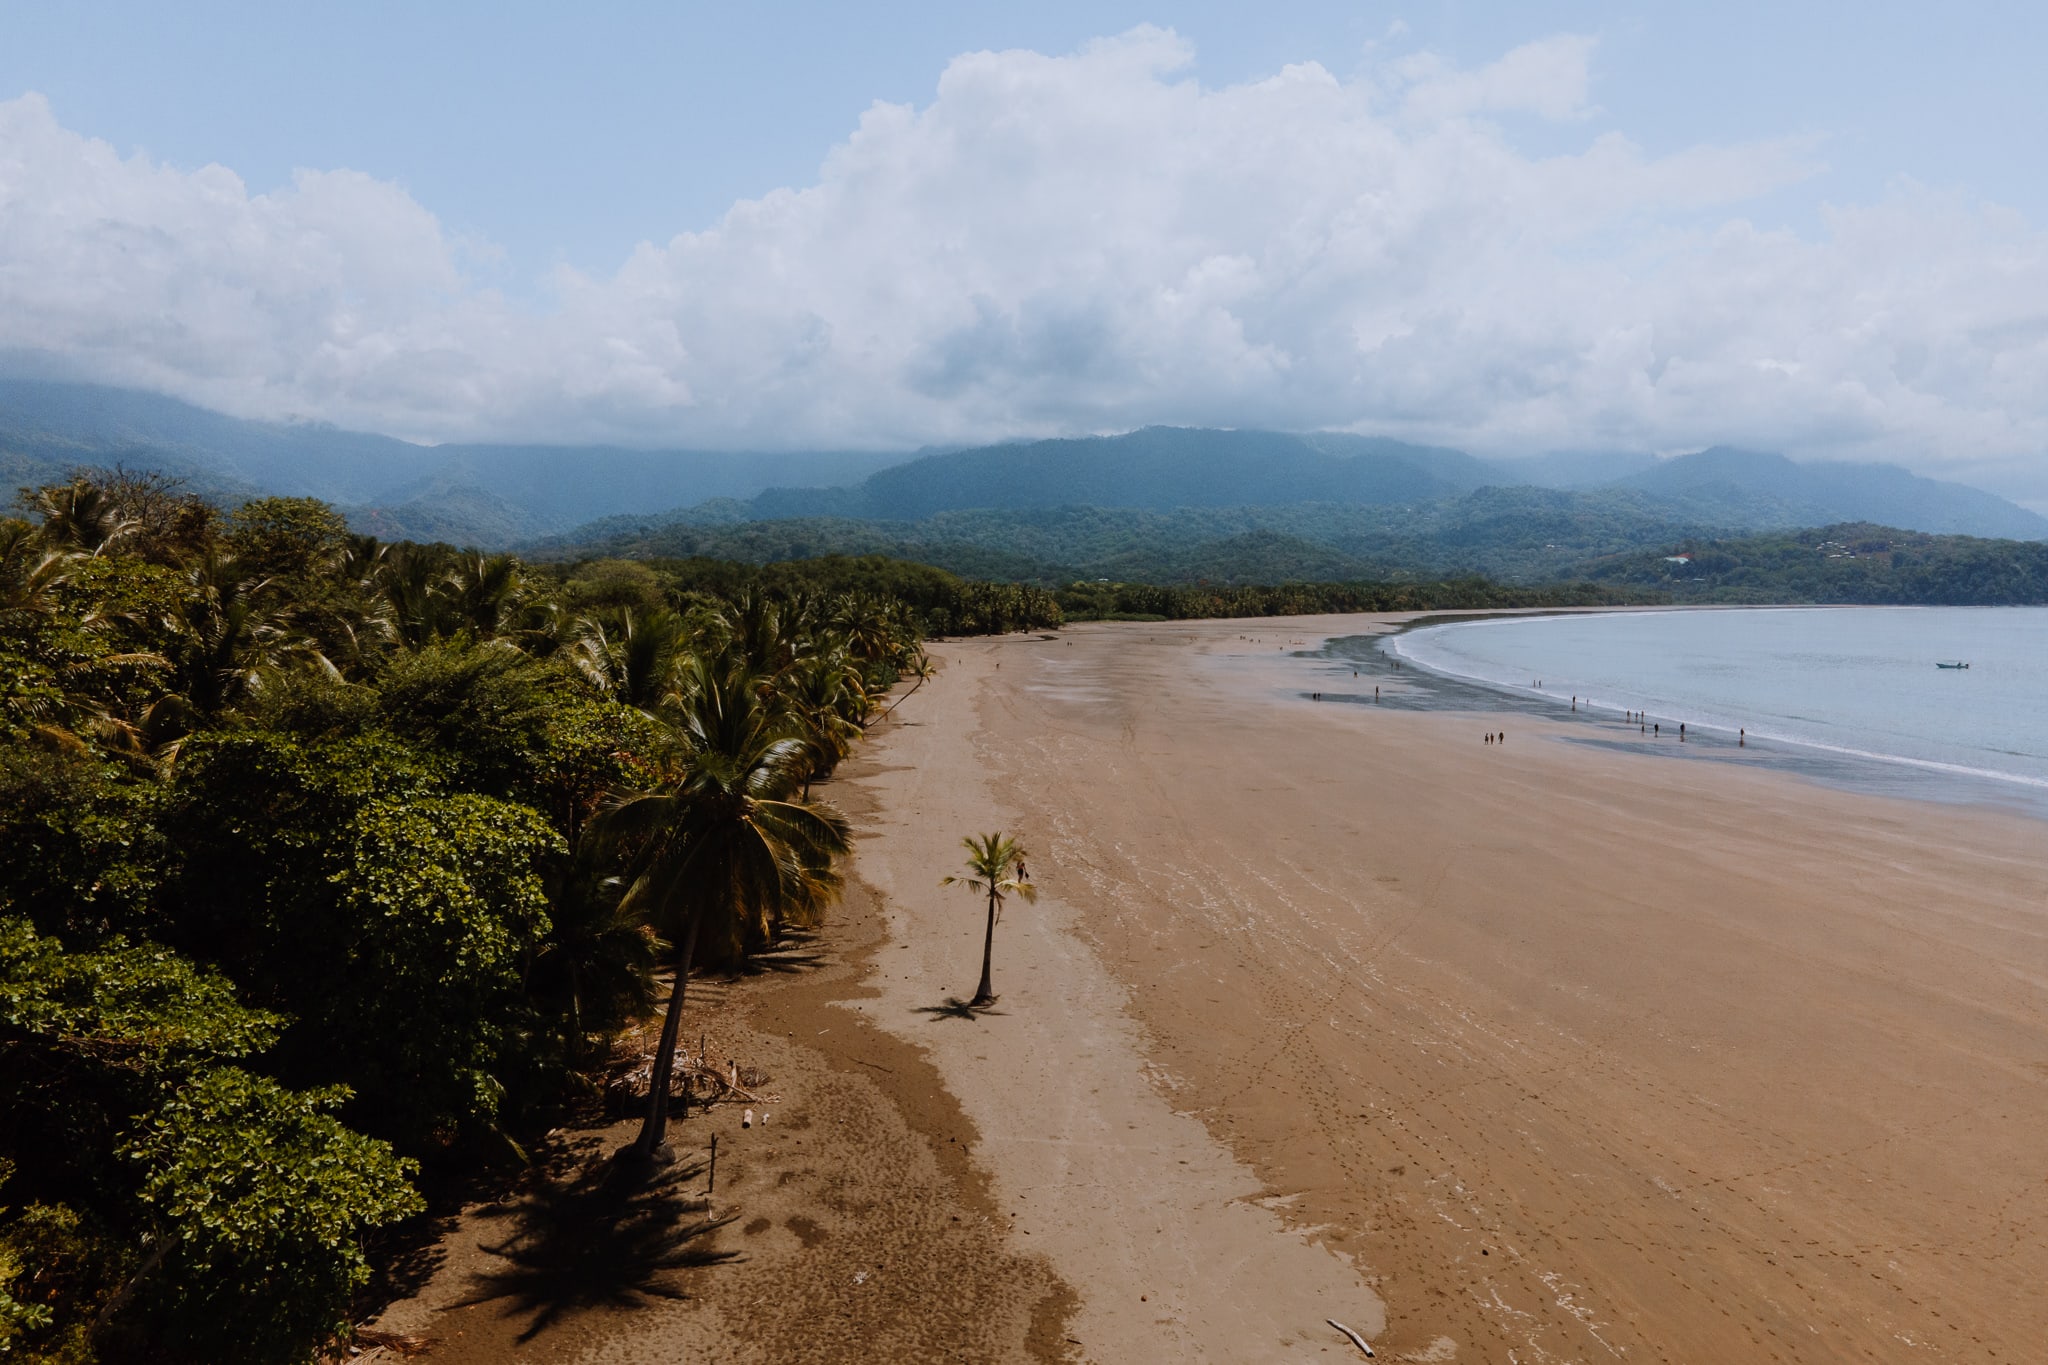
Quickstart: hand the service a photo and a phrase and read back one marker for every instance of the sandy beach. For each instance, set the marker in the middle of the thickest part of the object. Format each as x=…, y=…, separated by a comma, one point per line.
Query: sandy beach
x=1521, y=1052
x=1568, y=1054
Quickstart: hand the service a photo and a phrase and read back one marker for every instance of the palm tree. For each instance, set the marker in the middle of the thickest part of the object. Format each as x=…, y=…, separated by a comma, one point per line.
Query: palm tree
x=823, y=695
x=632, y=664
x=485, y=592
x=721, y=858
x=992, y=862
x=59, y=678
x=597, y=969
x=228, y=633
x=81, y=516
x=413, y=581
x=919, y=667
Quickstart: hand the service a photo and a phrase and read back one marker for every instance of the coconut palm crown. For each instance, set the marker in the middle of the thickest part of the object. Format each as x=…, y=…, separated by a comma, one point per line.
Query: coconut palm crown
x=721, y=858
x=993, y=861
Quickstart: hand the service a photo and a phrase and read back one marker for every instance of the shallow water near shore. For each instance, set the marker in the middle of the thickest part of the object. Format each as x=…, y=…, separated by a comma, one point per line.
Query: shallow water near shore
x=1848, y=696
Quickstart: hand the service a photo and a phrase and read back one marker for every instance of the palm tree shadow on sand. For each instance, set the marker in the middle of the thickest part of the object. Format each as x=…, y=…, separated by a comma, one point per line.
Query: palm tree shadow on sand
x=613, y=1237
x=956, y=1008
x=794, y=952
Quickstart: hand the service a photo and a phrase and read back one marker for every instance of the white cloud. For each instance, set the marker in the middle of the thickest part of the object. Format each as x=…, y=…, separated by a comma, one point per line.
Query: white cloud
x=1549, y=78
x=1092, y=242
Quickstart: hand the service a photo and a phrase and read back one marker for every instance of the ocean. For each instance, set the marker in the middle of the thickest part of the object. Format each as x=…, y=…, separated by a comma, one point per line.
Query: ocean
x=1838, y=683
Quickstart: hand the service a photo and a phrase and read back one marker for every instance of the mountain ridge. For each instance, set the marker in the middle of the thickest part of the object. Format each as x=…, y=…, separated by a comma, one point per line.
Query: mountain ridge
x=1352, y=498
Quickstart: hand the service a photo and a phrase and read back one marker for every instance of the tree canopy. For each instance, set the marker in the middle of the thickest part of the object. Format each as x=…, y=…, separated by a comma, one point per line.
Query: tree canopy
x=302, y=899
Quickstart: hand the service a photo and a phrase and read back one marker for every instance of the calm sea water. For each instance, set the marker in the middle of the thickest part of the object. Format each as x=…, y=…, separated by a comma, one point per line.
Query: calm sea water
x=1857, y=681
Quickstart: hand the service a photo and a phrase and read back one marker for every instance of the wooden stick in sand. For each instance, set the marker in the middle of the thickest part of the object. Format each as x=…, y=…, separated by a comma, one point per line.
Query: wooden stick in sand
x=1356, y=1340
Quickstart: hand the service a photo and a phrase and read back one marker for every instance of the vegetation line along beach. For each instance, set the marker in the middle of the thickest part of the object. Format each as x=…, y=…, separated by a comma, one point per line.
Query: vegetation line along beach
x=336, y=870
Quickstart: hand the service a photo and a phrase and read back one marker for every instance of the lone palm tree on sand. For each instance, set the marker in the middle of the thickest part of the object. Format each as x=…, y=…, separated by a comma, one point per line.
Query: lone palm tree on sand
x=993, y=863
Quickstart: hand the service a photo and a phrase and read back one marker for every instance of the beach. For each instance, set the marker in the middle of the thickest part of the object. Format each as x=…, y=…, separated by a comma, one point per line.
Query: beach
x=1530, y=1051
x=1567, y=1053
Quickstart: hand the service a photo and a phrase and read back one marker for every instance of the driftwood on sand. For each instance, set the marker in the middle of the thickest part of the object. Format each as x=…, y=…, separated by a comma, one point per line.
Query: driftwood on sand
x=696, y=1078
x=397, y=1343
x=1356, y=1340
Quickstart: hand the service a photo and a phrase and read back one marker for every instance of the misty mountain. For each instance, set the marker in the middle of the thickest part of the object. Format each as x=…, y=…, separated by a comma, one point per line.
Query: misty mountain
x=1156, y=468
x=1820, y=493
x=1063, y=504
x=1575, y=468
x=71, y=424
x=489, y=494
x=1167, y=468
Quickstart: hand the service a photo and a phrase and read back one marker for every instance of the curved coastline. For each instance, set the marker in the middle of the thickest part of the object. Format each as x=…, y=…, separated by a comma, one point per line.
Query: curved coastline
x=1842, y=765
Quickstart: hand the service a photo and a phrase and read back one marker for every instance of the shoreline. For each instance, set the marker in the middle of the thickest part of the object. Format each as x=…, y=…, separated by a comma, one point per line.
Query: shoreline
x=1171, y=1241
x=1869, y=772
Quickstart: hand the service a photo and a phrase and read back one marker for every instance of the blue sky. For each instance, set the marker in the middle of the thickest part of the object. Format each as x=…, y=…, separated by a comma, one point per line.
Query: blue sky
x=1569, y=224
x=570, y=133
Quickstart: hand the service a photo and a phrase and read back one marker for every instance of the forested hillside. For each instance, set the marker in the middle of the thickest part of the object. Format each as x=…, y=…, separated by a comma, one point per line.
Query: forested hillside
x=1850, y=563
x=1523, y=535
x=1514, y=536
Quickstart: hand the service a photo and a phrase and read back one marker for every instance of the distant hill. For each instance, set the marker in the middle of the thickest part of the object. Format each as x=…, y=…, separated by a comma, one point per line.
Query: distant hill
x=1173, y=469
x=1158, y=468
x=1855, y=562
x=1575, y=468
x=1513, y=535
x=68, y=424
x=1819, y=493
x=1163, y=504
x=484, y=494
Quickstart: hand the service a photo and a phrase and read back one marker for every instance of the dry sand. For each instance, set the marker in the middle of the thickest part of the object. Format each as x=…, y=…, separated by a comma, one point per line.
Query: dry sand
x=1562, y=1054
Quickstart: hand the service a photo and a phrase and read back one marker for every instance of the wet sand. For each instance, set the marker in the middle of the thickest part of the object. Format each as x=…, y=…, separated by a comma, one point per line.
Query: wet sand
x=1568, y=1054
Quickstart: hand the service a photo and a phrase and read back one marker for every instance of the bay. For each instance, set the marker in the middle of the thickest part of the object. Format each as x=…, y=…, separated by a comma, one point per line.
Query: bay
x=1844, y=681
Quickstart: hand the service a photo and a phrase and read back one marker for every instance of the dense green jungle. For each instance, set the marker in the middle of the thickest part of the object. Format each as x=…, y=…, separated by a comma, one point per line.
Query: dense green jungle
x=331, y=867
x=1536, y=546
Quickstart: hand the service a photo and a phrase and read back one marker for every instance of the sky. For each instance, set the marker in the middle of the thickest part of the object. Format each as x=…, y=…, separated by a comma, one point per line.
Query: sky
x=1817, y=228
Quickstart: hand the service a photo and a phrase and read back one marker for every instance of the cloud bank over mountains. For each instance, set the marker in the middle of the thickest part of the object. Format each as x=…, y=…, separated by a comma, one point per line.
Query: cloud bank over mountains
x=1095, y=241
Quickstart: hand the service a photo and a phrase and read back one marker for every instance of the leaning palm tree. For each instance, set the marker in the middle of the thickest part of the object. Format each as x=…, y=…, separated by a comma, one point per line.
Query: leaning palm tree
x=722, y=858
x=994, y=865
